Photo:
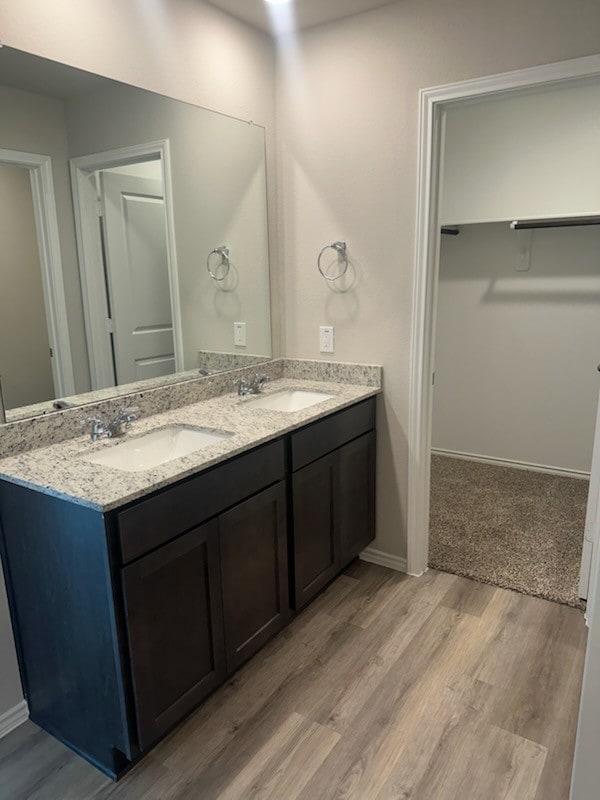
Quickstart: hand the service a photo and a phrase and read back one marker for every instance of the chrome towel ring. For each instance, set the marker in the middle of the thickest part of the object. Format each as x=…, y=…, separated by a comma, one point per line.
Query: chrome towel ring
x=341, y=250
x=222, y=251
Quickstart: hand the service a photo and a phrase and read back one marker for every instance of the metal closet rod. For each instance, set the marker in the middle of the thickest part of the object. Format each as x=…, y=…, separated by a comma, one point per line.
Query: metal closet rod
x=450, y=230
x=556, y=222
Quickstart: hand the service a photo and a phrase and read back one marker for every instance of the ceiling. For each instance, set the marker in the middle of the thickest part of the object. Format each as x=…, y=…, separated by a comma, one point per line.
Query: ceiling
x=307, y=13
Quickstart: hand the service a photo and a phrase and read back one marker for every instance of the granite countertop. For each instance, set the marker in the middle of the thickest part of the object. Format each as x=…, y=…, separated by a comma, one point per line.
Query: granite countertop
x=62, y=471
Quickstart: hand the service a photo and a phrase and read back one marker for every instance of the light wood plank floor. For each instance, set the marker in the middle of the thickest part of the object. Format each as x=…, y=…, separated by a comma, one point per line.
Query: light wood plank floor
x=386, y=688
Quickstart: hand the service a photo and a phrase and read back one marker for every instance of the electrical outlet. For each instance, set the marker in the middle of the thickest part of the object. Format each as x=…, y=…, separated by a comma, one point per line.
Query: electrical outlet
x=239, y=334
x=326, y=338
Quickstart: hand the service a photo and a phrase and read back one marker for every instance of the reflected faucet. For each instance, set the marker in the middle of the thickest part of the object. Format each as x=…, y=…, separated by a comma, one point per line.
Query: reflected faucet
x=2, y=408
x=253, y=387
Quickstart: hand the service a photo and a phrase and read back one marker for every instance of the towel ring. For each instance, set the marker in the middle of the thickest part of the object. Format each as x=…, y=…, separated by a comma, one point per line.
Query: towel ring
x=341, y=250
x=222, y=251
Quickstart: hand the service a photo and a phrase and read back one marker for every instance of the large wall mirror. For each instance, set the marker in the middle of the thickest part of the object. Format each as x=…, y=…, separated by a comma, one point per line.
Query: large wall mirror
x=133, y=238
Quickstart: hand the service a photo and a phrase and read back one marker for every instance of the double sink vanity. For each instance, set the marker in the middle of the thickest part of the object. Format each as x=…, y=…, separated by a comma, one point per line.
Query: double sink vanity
x=144, y=570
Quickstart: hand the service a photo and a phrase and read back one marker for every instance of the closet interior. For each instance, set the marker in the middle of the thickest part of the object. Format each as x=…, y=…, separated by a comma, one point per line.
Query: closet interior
x=517, y=336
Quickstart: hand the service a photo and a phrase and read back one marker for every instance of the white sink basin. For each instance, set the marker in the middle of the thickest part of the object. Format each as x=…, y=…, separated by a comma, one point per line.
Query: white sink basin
x=156, y=448
x=290, y=400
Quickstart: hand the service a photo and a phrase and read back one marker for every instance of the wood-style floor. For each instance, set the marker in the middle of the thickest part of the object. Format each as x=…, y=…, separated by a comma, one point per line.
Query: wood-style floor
x=386, y=687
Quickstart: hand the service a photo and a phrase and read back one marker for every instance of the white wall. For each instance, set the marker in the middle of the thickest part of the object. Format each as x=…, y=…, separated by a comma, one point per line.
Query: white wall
x=516, y=352
x=525, y=155
x=348, y=122
x=182, y=48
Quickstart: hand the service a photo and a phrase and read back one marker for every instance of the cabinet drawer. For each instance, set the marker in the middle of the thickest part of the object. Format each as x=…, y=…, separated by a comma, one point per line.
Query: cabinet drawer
x=328, y=434
x=177, y=509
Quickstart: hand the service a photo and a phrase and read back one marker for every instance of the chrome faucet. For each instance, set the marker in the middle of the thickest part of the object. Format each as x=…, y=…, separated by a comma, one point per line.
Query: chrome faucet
x=253, y=387
x=101, y=429
x=2, y=408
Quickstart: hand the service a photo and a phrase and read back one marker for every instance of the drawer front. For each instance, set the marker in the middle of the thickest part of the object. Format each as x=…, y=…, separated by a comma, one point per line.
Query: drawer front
x=328, y=434
x=152, y=522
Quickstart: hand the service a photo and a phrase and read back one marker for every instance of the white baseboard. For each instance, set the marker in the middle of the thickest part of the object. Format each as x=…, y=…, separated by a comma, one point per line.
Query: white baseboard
x=14, y=717
x=506, y=462
x=374, y=556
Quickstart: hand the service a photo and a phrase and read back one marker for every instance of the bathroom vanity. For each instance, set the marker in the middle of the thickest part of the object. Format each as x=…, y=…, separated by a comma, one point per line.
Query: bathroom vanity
x=134, y=596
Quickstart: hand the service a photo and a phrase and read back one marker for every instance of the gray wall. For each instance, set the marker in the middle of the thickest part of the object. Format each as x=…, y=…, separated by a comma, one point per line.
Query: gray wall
x=25, y=363
x=516, y=352
x=11, y=693
x=348, y=142
x=36, y=124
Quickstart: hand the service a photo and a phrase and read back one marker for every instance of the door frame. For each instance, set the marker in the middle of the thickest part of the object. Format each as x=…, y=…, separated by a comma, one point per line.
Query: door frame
x=424, y=305
x=89, y=247
x=53, y=288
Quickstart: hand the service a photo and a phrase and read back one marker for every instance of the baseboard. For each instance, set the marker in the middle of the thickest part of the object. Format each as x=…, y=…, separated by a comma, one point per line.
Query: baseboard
x=506, y=462
x=14, y=717
x=374, y=556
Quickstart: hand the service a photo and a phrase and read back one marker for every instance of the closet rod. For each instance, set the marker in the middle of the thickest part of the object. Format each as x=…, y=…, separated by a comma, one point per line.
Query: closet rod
x=447, y=230
x=558, y=222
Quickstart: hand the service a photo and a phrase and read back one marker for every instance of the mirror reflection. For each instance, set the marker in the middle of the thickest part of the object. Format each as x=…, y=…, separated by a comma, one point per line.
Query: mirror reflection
x=133, y=233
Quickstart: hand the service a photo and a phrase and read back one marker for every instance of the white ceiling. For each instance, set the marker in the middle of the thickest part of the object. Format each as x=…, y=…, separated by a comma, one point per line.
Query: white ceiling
x=307, y=13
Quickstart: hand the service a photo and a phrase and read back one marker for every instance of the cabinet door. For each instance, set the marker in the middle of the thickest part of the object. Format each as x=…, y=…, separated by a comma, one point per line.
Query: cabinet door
x=355, y=507
x=175, y=627
x=254, y=571
x=316, y=557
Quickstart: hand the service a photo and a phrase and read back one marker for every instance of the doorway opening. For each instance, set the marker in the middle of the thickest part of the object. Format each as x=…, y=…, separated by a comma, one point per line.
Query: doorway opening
x=514, y=405
x=126, y=243
x=36, y=363
x=452, y=459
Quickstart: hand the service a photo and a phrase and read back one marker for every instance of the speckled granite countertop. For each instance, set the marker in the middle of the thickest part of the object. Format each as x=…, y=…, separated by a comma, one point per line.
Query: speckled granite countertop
x=62, y=470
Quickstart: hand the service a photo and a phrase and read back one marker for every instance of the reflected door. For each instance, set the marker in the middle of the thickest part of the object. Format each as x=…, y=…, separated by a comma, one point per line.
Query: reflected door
x=137, y=273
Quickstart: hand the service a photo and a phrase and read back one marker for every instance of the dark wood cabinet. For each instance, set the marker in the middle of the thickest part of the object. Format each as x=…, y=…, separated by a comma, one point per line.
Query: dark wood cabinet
x=315, y=536
x=356, y=496
x=333, y=497
x=126, y=620
x=254, y=570
x=174, y=621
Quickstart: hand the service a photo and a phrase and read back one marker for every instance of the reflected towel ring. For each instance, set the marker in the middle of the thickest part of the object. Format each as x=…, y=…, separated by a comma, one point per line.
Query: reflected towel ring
x=222, y=251
x=341, y=250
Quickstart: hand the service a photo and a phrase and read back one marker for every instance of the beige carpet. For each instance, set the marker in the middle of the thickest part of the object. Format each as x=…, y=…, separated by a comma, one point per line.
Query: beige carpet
x=509, y=527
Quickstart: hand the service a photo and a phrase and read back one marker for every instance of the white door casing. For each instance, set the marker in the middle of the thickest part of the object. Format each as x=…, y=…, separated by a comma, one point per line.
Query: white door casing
x=592, y=516
x=138, y=276
x=432, y=102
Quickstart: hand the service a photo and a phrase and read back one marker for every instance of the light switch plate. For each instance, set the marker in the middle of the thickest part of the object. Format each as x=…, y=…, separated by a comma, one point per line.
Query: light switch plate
x=239, y=334
x=326, y=335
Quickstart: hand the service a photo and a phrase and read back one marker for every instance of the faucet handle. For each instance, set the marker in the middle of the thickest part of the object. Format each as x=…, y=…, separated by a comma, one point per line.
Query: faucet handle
x=128, y=414
x=243, y=387
x=99, y=429
x=91, y=421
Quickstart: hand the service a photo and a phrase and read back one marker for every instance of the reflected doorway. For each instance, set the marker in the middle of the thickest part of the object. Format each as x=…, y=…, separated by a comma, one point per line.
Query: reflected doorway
x=128, y=271
x=35, y=359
